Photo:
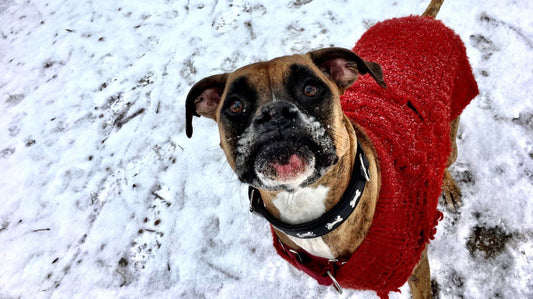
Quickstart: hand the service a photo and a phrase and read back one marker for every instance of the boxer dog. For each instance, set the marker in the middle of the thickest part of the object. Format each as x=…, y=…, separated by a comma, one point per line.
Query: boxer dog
x=316, y=174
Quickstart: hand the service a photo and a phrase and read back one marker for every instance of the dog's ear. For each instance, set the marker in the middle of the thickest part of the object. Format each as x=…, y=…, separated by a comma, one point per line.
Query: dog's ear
x=203, y=99
x=344, y=66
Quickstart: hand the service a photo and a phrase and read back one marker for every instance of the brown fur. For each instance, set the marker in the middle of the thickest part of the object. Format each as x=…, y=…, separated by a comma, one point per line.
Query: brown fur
x=433, y=8
x=420, y=280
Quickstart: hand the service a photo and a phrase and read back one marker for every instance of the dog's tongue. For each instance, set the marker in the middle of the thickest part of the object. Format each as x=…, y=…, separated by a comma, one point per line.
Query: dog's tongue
x=290, y=170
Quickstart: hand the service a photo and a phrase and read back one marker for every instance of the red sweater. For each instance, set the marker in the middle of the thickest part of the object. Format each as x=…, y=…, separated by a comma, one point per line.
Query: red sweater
x=429, y=83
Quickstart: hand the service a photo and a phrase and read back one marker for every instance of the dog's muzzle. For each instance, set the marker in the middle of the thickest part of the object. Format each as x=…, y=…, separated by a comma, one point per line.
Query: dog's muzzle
x=289, y=148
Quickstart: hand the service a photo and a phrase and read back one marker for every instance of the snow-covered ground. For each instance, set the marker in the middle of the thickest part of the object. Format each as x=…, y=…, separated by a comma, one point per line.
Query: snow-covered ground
x=103, y=196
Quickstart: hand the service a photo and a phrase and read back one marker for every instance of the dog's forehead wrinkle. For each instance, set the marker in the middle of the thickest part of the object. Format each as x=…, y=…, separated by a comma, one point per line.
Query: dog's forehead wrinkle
x=263, y=77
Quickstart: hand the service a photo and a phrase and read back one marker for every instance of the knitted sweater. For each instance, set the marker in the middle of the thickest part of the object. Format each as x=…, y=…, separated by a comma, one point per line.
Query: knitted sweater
x=429, y=83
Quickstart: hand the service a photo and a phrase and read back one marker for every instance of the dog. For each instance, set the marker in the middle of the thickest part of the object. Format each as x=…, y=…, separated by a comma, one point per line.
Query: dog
x=347, y=157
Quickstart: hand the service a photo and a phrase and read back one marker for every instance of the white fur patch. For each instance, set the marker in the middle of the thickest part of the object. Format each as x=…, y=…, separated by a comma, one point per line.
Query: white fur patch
x=301, y=206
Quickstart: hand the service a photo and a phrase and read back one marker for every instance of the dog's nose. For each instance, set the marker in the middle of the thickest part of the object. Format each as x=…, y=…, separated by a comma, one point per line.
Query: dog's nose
x=276, y=115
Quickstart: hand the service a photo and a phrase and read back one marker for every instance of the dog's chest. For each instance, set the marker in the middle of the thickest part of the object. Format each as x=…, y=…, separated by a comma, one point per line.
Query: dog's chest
x=302, y=206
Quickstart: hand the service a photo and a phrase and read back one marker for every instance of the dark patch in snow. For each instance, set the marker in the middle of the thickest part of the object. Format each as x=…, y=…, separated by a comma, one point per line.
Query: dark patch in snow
x=525, y=119
x=102, y=86
x=484, y=45
x=188, y=71
x=464, y=176
x=435, y=289
x=299, y=3
x=14, y=99
x=29, y=142
x=489, y=241
x=123, y=262
x=7, y=152
x=485, y=18
x=122, y=119
x=146, y=80
x=221, y=270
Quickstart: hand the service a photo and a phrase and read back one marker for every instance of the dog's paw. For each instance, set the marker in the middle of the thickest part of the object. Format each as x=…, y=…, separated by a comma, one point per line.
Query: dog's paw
x=451, y=192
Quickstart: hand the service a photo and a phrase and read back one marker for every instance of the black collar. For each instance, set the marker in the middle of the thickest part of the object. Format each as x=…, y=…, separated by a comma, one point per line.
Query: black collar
x=329, y=220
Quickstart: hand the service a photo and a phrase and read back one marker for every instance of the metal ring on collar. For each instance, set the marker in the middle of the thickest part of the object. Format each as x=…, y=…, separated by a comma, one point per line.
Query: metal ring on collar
x=335, y=282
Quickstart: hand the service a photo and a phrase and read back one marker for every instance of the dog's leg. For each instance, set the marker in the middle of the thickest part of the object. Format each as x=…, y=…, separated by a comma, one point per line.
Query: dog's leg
x=433, y=8
x=420, y=279
x=454, y=126
x=451, y=192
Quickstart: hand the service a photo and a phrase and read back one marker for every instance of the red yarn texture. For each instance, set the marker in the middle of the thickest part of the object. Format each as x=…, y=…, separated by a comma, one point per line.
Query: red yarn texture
x=429, y=83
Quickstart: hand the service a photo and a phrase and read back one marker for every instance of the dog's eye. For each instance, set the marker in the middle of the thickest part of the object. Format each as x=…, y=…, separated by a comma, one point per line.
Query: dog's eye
x=310, y=90
x=236, y=106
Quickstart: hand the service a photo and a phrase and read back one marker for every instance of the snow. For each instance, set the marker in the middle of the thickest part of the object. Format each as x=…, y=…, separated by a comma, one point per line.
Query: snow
x=103, y=196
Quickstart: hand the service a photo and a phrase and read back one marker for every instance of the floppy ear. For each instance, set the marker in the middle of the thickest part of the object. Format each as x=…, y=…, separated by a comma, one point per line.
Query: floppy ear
x=344, y=66
x=203, y=99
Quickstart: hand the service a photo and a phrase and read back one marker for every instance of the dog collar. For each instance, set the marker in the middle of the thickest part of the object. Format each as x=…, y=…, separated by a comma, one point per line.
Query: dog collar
x=329, y=220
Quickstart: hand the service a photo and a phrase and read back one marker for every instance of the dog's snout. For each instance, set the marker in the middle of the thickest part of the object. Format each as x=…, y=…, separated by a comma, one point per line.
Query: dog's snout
x=276, y=114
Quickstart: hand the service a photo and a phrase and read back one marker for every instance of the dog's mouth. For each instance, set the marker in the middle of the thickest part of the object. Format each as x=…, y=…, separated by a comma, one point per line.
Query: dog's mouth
x=280, y=164
x=283, y=163
x=288, y=170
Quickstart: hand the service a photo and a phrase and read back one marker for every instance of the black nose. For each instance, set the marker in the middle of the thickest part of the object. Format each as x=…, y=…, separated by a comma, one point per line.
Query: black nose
x=276, y=115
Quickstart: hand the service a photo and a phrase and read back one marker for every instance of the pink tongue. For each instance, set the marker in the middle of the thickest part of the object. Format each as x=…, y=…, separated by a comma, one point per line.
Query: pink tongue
x=292, y=169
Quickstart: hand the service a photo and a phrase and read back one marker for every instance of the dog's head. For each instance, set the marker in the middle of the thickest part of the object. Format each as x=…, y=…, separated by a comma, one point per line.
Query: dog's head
x=280, y=122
